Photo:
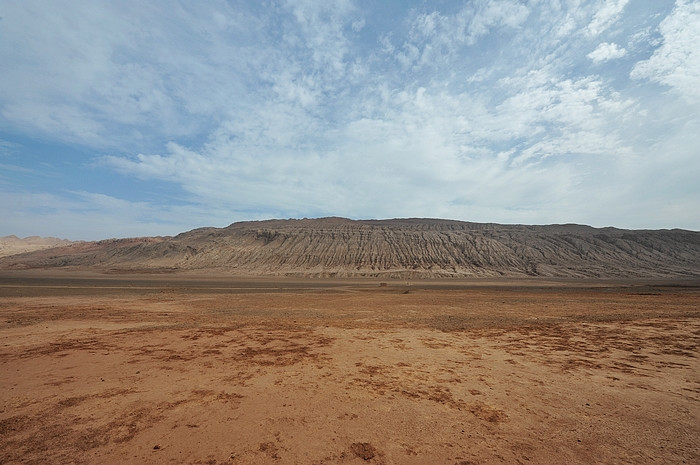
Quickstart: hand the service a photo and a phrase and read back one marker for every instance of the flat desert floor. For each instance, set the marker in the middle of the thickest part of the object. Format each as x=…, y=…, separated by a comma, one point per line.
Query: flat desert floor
x=211, y=370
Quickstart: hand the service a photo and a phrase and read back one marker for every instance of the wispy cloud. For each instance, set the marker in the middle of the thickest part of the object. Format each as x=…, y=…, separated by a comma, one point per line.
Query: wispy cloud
x=676, y=63
x=436, y=38
x=107, y=74
x=608, y=12
x=91, y=216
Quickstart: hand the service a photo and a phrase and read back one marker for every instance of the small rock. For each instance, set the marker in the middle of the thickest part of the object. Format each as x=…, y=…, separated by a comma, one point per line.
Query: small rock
x=364, y=450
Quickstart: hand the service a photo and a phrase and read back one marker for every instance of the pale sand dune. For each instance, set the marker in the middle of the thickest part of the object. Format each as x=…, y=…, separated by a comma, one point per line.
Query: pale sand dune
x=13, y=245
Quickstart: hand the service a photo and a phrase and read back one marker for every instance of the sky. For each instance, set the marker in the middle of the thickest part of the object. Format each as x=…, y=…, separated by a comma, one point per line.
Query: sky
x=132, y=118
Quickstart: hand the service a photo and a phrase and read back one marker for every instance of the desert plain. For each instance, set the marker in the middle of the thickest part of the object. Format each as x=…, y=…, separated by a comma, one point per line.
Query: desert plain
x=211, y=369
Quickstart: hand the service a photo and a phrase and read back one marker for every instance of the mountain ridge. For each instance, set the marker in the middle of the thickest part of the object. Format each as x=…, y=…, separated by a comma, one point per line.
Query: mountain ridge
x=406, y=248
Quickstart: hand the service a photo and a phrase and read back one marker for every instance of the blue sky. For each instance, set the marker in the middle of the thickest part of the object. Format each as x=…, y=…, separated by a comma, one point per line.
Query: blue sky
x=151, y=118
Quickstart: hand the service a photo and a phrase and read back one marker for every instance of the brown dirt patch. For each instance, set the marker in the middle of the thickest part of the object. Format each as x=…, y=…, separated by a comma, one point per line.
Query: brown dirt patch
x=199, y=371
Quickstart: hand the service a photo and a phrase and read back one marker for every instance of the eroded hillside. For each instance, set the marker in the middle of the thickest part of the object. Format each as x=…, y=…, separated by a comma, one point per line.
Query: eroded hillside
x=392, y=248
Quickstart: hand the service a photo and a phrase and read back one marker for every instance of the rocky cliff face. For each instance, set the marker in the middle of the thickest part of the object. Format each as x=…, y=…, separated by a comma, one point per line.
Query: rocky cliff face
x=391, y=248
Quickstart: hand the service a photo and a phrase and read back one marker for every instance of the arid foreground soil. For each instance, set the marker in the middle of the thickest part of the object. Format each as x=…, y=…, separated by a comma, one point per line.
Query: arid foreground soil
x=129, y=369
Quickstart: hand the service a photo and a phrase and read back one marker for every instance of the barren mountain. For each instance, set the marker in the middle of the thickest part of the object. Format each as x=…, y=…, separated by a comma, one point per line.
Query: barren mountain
x=391, y=248
x=11, y=245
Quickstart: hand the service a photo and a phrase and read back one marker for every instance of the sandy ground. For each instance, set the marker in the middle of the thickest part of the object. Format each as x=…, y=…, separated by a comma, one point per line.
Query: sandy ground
x=133, y=370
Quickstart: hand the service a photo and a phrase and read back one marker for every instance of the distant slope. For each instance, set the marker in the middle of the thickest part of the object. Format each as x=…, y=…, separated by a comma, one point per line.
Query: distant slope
x=12, y=245
x=391, y=248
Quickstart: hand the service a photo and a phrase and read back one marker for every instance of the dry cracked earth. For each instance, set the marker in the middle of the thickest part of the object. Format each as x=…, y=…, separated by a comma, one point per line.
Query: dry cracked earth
x=208, y=370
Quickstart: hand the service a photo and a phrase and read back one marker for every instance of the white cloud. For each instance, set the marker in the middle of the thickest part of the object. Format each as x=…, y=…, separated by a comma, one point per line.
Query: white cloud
x=676, y=63
x=606, y=51
x=608, y=13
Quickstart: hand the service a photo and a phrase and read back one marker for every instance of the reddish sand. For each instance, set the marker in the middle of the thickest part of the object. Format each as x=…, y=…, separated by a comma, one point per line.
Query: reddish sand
x=160, y=370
